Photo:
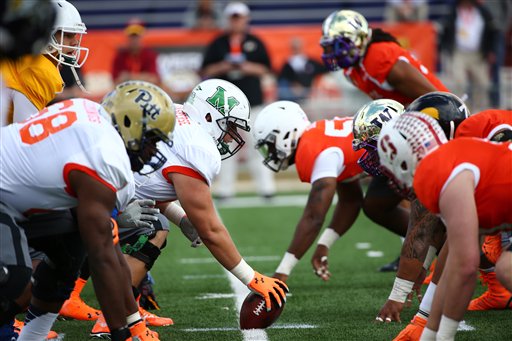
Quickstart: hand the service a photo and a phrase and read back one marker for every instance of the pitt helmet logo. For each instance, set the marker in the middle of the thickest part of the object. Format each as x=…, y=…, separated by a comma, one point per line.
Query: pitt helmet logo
x=218, y=101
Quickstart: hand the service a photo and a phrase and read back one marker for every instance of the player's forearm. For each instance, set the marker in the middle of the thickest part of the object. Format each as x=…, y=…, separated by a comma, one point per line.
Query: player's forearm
x=221, y=246
x=305, y=234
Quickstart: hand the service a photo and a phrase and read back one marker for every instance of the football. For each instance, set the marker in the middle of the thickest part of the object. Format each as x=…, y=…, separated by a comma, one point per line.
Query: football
x=254, y=315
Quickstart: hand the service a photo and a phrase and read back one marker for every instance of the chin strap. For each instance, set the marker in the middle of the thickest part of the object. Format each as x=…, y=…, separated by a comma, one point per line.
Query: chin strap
x=78, y=81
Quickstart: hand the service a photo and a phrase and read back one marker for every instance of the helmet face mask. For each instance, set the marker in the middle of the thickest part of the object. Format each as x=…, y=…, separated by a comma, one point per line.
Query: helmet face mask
x=144, y=115
x=65, y=41
x=368, y=122
x=277, y=131
x=403, y=143
x=221, y=108
x=345, y=35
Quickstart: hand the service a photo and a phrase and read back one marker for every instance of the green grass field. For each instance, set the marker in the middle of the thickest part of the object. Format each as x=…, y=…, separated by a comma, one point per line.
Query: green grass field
x=195, y=291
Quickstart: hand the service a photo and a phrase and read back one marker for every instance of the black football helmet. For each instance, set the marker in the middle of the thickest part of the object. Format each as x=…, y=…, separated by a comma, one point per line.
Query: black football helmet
x=448, y=109
x=25, y=26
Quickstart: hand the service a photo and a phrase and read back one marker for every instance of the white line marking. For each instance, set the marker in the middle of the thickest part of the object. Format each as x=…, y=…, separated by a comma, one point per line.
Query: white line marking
x=277, y=326
x=211, y=260
x=241, y=292
x=374, y=254
x=363, y=246
x=280, y=200
x=465, y=327
x=211, y=295
x=194, y=277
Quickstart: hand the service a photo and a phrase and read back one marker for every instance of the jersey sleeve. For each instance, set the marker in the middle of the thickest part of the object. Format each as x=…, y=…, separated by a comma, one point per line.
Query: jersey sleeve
x=380, y=60
x=328, y=164
x=203, y=162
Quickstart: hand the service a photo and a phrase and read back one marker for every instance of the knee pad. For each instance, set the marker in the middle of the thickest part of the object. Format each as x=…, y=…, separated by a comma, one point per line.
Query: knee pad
x=143, y=250
x=14, y=281
x=52, y=284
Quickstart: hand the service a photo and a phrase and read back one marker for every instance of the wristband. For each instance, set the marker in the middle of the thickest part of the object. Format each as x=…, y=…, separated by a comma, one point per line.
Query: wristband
x=174, y=213
x=133, y=318
x=287, y=264
x=243, y=272
x=328, y=237
x=120, y=334
x=431, y=253
x=401, y=288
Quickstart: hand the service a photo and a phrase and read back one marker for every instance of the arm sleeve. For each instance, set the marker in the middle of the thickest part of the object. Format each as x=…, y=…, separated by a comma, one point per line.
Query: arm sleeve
x=328, y=164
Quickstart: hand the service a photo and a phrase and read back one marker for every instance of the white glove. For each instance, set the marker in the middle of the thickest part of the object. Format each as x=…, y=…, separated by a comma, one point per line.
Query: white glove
x=190, y=232
x=138, y=213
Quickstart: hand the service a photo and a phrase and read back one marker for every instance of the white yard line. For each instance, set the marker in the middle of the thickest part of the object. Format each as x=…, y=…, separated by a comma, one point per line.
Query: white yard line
x=210, y=260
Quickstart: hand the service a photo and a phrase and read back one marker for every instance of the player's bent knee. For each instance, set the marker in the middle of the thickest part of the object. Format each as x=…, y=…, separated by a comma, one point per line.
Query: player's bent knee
x=14, y=282
x=143, y=250
x=53, y=284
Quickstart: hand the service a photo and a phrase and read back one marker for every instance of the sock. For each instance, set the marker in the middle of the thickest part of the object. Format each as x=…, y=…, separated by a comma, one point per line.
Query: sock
x=428, y=335
x=79, y=286
x=426, y=302
x=447, y=329
x=37, y=324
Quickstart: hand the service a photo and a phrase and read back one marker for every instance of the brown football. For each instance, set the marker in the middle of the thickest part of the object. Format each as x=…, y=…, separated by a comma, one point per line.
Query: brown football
x=254, y=315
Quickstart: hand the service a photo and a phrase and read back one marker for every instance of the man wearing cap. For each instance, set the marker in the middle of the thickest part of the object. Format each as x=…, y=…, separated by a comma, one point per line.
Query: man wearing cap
x=134, y=61
x=242, y=59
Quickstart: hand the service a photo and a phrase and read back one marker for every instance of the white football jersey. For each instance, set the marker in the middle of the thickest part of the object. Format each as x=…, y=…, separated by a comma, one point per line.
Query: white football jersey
x=37, y=155
x=193, y=153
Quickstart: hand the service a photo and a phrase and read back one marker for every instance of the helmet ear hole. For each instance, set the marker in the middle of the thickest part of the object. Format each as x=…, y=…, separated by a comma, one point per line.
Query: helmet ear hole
x=127, y=121
x=208, y=117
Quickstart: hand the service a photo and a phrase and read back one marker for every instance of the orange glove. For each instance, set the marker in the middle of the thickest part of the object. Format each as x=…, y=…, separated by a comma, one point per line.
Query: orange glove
x=140, y=332
x=266, y=286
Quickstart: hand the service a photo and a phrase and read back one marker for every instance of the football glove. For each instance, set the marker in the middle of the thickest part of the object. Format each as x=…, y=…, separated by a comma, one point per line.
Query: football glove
x=190, y=232
x=139, y=213
x=267, y=286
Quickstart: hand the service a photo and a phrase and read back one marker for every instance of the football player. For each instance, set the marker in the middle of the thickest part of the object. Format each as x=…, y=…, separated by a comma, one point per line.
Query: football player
x=494, y=125
x=33, y=81
x=374, y=62
x=63, y=171
x=207, y=129
x=323, y=155
x=464, y=175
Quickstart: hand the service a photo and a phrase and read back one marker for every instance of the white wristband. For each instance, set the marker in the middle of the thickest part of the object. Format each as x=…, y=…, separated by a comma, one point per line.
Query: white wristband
x=431, y=253
x=401, y=288
x=133, y=318
x=287, y=264
x=447, y=329
x=243, y=272
x=174, y=213
x=328, y=237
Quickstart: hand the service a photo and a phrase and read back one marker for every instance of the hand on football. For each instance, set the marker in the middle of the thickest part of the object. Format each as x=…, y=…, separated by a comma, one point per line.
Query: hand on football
x=390, y=312
x=139, y=213
x=320, y=264
x=280, y=276
x=266, y=286
x=190, y=232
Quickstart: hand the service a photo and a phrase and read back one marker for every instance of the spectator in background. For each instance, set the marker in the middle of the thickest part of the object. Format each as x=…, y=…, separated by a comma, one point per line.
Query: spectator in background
x=405, y=10
x=203, y=15
x=298, y=73
x=134, y=61
x=501, y=11
x=468, y=38
x=241, y=58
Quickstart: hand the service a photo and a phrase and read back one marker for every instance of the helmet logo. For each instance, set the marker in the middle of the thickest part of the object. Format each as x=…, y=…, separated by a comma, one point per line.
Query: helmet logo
x=432, y=112
x=384, y=116
x=218, y=101
x=386, y=143
x=149, y=109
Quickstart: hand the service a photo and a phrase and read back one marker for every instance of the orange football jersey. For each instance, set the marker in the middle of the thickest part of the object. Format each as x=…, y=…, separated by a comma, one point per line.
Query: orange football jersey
x=370, y=75
x=485, y=124
x=326, y=134
x=490, y=162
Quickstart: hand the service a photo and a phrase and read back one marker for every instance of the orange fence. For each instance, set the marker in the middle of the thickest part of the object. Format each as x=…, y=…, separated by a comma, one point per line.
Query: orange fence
x=419, y=38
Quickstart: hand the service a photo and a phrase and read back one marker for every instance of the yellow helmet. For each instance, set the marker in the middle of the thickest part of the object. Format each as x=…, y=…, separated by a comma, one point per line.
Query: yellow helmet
x=143, y=114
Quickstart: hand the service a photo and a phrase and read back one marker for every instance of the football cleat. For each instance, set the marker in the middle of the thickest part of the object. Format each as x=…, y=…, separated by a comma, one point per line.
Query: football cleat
x=140, y=332
x=495, y=298
x=18, y=326
x=153, y=320
x=412, y=332
x=390, y=267
x=100, y=329
x=75, y=308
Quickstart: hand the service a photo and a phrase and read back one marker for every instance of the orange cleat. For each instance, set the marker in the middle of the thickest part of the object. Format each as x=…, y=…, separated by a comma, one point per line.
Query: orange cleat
x=75, y=308
x=100, y=329
x=492, y=247
x=495, y=298
x=153, y=320
x=140, y=332
x=412, y=332
x=18, y=326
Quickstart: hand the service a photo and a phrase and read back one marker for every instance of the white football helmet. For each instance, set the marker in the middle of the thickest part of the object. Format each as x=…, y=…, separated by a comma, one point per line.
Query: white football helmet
x=68, y=21
x=276, y=132
x=404, y=142
x=368, y=121
x=345, y=35
x=221, y=108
